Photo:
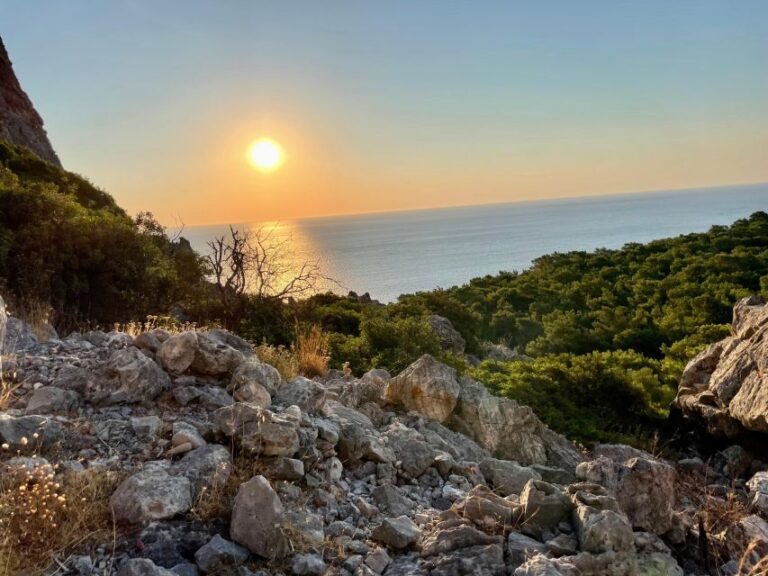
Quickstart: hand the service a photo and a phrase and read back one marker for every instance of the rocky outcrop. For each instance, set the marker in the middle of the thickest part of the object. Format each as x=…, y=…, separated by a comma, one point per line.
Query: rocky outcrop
x=19, y=121
x=336, y=475
x=451, y=339
x=724, y=389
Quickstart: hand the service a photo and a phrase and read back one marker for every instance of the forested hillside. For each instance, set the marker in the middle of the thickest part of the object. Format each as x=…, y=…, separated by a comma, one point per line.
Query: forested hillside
x=609, y=331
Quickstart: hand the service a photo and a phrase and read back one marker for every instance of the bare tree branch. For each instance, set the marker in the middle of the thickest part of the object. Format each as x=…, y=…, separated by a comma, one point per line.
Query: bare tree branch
x=258, y=264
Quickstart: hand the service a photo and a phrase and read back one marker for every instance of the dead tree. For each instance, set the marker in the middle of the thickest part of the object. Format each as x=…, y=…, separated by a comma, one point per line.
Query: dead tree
x=255, y=264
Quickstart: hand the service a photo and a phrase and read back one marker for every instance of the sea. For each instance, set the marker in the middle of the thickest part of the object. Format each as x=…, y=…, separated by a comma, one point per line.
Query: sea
x=394, y=253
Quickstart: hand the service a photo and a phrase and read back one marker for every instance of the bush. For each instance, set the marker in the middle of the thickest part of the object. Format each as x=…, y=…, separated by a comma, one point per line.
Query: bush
x=66, y=244
x=599, y=396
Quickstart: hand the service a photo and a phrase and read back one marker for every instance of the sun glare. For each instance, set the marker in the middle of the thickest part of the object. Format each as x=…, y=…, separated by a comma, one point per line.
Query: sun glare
x=265, y=155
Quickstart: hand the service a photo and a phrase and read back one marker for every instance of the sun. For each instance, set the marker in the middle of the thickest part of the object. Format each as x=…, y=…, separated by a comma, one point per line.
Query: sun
x=265, y=155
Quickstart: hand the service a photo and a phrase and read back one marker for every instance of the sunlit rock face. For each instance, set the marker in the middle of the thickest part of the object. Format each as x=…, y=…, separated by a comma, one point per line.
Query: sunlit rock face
x=19, y=121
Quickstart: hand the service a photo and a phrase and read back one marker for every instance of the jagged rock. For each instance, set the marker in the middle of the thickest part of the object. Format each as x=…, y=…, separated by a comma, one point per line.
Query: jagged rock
x=390, y=499
x=146, y=427
x=411, y=451
x=501, y=352
x=654, y=558
x=19, y=121
x=722, y=388
x=482, y=560
x=142, y=567
x=358, y=437
x=645, y=489
x=747, y=541
x=454, y=533
x=450, y=338
x=231, y=340
x=20, y=431
x=258, y=429
x=177, y=353
x=199, y=353
x=544, y=507
x=758, y=493
x=207, y=466
x=378, y=560
x=132, y=377
x=521, y=548
x=302, y=392
x=308, y=565
x=256, y=517
x=507, y=477
x=185, y=433
x=52, y=400
x=286, y=469
x=600, y=524
x=540, y=566
x=508, y=430
x=18, y=335
x=427, y=386
x=398, y=533
x=151, y=495
x=220, y=555
x=489, y=511
x=255, y=383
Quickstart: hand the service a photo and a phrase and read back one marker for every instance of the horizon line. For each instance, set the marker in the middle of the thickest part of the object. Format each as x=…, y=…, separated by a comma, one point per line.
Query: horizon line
x=479, y=205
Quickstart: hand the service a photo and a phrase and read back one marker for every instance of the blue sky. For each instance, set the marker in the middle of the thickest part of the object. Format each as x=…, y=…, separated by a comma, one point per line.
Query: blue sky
x=397, y=104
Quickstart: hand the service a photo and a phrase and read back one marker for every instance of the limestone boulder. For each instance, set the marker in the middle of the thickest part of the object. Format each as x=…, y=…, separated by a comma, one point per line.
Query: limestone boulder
x=544, y=507
x=254, y=382
x=219, y=556
x=52, y=400
x=509, y=430
x=199, y=353
x=21, y=431
x=426, y=386
x=507, y=477
x=130, y=377
x=398, y=533
x=450, y=338
x=600, y=524
x=257, y=515
x=302, y=392
x=259, y=430
x=151, y=495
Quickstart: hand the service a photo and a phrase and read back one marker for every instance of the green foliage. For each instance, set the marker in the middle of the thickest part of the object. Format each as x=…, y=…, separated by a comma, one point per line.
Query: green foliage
x=390, y=343
x=67, y=244
x=610, y=330
x=595, y=396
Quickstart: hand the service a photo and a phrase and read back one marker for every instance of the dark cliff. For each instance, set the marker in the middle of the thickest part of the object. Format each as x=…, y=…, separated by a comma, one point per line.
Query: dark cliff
x=19, y=121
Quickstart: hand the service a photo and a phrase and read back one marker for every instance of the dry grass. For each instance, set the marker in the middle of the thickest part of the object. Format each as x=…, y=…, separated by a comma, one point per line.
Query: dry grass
x=8, y=389
x=216, y=502
x=167, y=323
x=307, y=356
x=283, y=359
x=35, y=313
x=714, y=514
x=44, y=516
x=751, y=562
x=312, y=351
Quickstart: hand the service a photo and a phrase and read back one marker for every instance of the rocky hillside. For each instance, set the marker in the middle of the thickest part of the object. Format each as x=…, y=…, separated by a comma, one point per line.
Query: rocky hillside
x=19, y=121
x=219, y=465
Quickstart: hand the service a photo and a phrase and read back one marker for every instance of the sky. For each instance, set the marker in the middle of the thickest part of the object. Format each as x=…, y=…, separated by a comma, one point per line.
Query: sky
x=395, y=105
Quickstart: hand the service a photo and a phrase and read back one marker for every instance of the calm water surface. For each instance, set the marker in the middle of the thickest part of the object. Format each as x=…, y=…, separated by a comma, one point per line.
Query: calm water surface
x=401, y=252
